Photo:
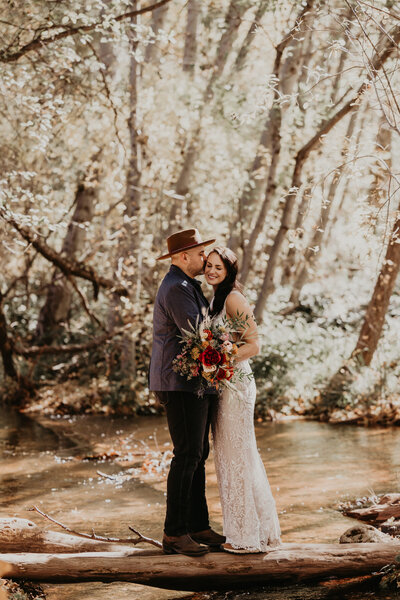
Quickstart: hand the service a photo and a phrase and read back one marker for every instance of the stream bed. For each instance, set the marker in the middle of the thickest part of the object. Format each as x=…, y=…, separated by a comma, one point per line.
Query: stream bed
x=108, y=473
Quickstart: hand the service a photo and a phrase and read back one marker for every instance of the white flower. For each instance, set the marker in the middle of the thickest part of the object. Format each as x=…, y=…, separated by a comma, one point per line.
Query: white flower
x=203, y=336
x=227, y=346
x=209, y=369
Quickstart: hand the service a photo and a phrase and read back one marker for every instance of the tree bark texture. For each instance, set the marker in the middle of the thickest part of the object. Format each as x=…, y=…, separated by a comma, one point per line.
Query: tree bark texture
x=59, y=295
x=190, y=49
x=157, y=22
x=346, y=175
x=347, y=24
x=245, y=47
x=371, y=329
x=66, y=265
x=6, y=345
x=311, y=253
x=377, y=63
x=290, y=261
x=129, y=252
x=288, y=563
x=133, y=192
x=232, y=22
x=262, y=173
x=377, y=191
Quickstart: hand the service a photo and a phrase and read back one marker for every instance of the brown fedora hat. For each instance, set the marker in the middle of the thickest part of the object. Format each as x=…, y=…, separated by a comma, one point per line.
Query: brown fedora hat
x=184, y=240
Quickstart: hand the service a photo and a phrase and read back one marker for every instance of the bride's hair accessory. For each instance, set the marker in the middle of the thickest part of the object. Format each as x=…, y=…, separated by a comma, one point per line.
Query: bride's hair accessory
x=230, y=282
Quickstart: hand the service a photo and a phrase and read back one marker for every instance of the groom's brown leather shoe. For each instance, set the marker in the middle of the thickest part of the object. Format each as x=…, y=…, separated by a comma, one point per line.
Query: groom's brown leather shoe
x=182, y=544
x=209, y=537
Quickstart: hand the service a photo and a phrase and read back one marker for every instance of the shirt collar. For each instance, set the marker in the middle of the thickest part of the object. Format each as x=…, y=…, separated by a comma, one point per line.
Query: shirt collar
x=179, y=271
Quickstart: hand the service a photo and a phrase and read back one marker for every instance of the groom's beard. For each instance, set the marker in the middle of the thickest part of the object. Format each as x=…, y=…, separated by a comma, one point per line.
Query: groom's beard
x=197, y=272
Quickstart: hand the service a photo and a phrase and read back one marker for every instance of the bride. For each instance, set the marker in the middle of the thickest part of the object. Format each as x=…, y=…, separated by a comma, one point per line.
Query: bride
x=248, y=508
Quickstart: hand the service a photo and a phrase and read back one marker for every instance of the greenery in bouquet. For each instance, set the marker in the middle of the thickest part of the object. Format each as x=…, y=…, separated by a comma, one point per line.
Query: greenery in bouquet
x=209, y=349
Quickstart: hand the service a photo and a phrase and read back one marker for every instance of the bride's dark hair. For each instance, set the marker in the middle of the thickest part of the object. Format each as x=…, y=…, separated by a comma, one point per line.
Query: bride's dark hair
x=230, y=282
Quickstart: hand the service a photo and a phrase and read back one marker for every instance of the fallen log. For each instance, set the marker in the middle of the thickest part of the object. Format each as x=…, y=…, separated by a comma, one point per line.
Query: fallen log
x=21, y=535
x=387, y=508
x=376, y=513
x=287, y=564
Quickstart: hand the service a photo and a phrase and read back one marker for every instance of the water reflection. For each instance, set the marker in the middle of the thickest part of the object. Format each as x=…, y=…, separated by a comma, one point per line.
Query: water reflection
x=19, y=434
x=311, y=467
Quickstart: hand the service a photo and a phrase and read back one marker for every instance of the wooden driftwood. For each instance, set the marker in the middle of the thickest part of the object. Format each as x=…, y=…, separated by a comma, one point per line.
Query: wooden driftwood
x=288, y=563
x=384, y=514
x=21, y=535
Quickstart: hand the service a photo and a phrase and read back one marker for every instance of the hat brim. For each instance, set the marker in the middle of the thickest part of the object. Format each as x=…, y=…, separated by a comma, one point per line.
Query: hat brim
x=206, y=243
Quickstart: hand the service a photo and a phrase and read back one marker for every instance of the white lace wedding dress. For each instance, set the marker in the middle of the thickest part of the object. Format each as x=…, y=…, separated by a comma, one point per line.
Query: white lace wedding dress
x=248, y=507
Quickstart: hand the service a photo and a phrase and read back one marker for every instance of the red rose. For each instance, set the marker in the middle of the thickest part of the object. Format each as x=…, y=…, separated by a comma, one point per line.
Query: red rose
x=210, y=356
x=221, y=374
x=225, y=374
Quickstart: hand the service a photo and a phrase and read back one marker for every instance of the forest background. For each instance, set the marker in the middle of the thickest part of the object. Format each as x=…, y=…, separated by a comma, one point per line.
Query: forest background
x=272, y=125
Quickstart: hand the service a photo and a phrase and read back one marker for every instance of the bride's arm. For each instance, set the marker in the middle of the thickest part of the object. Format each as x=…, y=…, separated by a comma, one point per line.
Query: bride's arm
x=236, y=304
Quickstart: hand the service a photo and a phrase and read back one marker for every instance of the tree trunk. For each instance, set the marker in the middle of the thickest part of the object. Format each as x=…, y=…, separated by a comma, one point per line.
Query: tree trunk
x=261, y=180
x=6, y=346
x=372, y=326
x=175, y=220
x=348, y=19
x=131, y=241
x=378, y=189
x=290, y=261
x=296, y=54
x=377, y=63
x=341, y=199
x=286, y=564
x=190, y=50
x=314, y=247
x=232, y=22
x=129, y=251
x=158, y=17
x=59, y=296
x=67, y=265
x=245, y=47
x=274, y=134
x=106, y=49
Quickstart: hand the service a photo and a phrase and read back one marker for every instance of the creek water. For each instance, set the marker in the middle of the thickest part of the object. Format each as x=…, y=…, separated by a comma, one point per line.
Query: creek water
x=106, y=474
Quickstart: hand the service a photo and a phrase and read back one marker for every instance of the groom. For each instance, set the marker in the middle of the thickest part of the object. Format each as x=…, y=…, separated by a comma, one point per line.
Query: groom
x=180, y=301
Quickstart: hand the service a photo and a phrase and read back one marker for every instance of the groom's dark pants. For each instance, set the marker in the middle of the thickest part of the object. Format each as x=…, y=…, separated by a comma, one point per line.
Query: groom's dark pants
x=189, y=417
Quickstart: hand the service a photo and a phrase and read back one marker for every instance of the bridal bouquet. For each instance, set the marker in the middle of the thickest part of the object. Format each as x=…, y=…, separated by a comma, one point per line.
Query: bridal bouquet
x=208, y=350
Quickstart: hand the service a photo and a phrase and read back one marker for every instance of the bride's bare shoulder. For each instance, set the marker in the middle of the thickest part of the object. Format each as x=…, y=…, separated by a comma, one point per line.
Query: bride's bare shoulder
x=236, y=302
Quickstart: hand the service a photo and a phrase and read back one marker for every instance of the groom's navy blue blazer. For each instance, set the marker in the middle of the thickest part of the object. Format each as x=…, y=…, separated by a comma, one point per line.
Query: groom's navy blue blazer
x=179, y=301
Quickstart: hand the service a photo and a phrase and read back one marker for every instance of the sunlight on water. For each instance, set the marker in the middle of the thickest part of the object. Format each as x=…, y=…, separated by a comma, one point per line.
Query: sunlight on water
x=111, y=473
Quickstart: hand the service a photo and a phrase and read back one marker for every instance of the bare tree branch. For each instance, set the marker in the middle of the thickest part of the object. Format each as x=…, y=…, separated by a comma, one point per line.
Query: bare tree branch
x=94, y=536
x=7, y=55
x=85, y=303
x=377, y=63
x=20, y=277
x=66, y=265
x=108, y=94
x=67, y=348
